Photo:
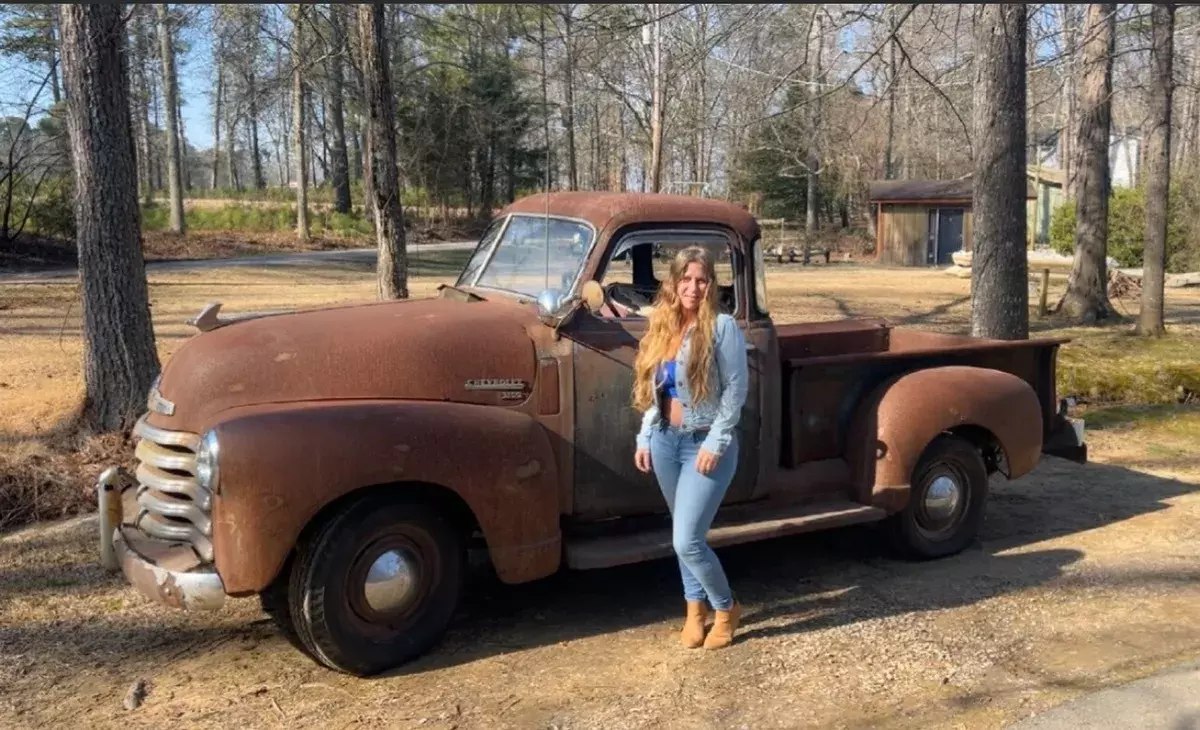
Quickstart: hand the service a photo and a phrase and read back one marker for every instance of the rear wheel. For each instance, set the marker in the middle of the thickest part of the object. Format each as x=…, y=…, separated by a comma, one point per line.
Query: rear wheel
x=946, y=499
x=376, y=585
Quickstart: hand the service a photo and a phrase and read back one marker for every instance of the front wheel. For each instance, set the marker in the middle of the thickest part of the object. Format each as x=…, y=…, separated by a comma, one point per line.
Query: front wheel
x=945, y=504
x=376, y=585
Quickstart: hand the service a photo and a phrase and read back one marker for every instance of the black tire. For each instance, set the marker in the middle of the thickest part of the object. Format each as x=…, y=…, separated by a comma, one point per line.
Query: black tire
x=274, y=602
x=920, y=532
x=333, y=617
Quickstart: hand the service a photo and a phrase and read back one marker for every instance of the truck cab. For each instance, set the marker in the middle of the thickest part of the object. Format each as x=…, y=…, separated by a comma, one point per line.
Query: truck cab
x=341, y=463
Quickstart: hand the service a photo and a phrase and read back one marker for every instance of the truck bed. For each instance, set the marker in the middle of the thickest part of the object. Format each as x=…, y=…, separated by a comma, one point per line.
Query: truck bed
x=828, y=367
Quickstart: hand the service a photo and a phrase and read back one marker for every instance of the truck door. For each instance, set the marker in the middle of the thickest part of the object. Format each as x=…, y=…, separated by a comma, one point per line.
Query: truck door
x=606, y=482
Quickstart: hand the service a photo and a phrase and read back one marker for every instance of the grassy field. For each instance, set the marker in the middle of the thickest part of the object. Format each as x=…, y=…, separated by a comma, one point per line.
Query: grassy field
x=46, y=469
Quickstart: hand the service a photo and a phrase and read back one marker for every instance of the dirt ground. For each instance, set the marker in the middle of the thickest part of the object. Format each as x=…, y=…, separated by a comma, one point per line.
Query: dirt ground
x=1084, y=576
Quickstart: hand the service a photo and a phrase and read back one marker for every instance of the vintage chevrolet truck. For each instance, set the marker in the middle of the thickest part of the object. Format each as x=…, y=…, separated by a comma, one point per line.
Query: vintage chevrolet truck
x=342, y=462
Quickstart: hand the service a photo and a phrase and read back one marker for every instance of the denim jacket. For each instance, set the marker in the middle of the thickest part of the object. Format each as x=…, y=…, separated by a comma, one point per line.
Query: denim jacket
x=728, y=383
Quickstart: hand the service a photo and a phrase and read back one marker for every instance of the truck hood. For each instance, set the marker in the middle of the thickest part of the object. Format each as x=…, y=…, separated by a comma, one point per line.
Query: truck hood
x=426, y=349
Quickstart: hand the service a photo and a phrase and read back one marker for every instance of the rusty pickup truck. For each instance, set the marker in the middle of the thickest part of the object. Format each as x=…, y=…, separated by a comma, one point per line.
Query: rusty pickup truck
x=344, y=463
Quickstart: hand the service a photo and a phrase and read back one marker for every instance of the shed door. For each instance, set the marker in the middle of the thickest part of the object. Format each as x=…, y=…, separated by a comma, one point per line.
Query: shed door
x=949, y=233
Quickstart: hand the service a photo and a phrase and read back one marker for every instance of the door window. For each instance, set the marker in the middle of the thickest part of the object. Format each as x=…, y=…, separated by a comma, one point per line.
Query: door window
x=640, y=262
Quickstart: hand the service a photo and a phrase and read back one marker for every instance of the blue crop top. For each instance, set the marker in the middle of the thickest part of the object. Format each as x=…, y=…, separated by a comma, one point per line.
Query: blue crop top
x=666, y=374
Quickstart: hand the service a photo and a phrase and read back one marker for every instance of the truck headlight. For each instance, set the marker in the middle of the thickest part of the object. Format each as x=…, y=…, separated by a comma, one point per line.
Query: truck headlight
x=207, y=458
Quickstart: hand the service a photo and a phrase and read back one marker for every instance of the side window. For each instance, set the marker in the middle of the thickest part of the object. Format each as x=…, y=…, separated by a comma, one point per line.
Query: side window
x=641, y=261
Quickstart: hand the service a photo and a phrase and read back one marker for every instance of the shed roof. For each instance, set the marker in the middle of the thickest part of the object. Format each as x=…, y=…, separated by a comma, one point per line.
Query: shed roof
x=918, y=191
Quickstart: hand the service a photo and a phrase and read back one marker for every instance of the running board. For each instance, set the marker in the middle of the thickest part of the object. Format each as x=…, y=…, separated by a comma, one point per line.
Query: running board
x=758, y=524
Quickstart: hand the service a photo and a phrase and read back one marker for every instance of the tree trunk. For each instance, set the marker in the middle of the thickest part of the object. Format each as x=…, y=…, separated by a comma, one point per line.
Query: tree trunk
x=569, y=90
x=656, y=109
x=260, y=180
x=217, y=116
x=811, y=221
x=340, y=164
x=392, y=267
x=1086, y=299
x=171, y=105
x=142, y=100
x=1158, y=169
x=231, y=149
x=1067, y=135
x=889, y=171
x=999, y=272
x=298, y=125
x=119, y=357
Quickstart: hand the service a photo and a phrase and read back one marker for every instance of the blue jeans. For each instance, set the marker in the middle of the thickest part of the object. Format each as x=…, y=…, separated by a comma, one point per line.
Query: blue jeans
x=693, y=499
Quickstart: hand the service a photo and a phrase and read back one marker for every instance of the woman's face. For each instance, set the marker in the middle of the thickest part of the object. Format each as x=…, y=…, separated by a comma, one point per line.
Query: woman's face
x=692, y=287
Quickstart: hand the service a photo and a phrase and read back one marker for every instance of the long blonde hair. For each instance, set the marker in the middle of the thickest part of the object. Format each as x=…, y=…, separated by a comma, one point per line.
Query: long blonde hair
x=666, y=323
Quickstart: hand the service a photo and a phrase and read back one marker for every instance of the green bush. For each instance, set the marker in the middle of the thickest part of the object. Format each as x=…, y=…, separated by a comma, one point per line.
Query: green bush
x=258, y=219
x=1126, y=227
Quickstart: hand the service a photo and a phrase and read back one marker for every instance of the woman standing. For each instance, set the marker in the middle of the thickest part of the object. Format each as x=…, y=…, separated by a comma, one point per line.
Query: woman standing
x=690, y=380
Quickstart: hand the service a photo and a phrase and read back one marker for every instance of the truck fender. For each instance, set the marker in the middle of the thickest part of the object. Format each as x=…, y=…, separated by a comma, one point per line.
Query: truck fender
x=899, y=418
x=281, y=465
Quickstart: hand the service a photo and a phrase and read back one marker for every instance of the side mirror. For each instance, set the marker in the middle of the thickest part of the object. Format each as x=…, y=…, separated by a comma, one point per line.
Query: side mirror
x=593, y=295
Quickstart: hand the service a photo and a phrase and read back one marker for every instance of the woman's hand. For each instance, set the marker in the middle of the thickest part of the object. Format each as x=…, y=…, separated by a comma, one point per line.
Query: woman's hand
x=641, y=460
x=706, y=461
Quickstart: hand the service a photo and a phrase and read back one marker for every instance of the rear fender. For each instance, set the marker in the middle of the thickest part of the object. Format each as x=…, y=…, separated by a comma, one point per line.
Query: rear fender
x=902, y=416
x=280, y=465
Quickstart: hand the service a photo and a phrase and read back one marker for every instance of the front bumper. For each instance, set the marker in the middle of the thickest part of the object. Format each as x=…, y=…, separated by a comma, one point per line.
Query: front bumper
x=167, y=572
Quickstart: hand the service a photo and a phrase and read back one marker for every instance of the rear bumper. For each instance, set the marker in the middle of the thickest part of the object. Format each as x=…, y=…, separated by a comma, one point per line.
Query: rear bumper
x=1067, y=440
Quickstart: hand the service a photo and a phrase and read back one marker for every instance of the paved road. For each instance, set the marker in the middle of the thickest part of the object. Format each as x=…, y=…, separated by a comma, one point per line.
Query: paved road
x=304, y=258
x=1166, y=701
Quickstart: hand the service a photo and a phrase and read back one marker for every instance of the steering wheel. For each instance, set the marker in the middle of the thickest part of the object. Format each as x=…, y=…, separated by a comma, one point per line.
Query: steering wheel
x=625, y=299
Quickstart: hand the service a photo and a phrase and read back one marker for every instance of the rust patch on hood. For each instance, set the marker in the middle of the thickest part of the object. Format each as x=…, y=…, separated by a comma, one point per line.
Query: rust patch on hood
x=416, y=349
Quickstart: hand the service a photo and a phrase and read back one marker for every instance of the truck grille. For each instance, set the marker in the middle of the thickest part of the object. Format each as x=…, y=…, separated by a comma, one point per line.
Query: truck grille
x=172, y=505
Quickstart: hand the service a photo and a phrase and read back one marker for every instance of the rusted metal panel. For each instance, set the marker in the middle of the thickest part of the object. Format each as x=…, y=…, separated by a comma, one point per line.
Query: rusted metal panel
x=821, y=339
x=900, y=418
x=607, y=484
x=434, y=349
x=281, y=464
x=609, y=212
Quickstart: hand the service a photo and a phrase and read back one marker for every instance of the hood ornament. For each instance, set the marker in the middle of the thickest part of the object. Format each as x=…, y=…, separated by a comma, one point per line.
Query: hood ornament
x=208, y=320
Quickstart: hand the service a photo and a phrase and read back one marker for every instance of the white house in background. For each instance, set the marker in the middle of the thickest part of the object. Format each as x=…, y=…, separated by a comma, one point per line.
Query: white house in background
x=1123, y=150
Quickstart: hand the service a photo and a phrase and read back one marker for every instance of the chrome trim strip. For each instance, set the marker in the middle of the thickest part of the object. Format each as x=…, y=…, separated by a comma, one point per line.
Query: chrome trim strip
x=152, y=453
x=150, y=477
x=157, y=503
x=162, y=436
x=157, y=526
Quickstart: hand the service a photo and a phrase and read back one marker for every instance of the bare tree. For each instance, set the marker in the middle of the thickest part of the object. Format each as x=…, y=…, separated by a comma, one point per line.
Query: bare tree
x=392, y=266
x=1158, y=163
x=120, y=360
x=1086, y=299
x=171, y=92
x=299, y=129
x=340, y=162
x=999, y=272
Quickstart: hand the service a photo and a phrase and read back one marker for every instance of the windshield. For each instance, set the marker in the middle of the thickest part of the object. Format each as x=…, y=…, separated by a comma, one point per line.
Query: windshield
x=514, y=256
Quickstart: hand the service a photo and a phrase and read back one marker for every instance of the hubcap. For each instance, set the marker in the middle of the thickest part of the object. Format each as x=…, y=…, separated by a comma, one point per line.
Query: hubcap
x=391, y=581
x=941, y=499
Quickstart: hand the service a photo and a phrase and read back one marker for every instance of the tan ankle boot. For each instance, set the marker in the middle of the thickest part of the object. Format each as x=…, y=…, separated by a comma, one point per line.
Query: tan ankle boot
x=692, y=635
x=724, y=625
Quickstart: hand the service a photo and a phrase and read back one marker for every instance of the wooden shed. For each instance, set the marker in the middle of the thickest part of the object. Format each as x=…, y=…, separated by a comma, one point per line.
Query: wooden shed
x=922, y=222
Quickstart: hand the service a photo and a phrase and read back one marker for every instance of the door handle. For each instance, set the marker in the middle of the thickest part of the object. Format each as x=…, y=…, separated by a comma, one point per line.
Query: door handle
x=750, y=347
